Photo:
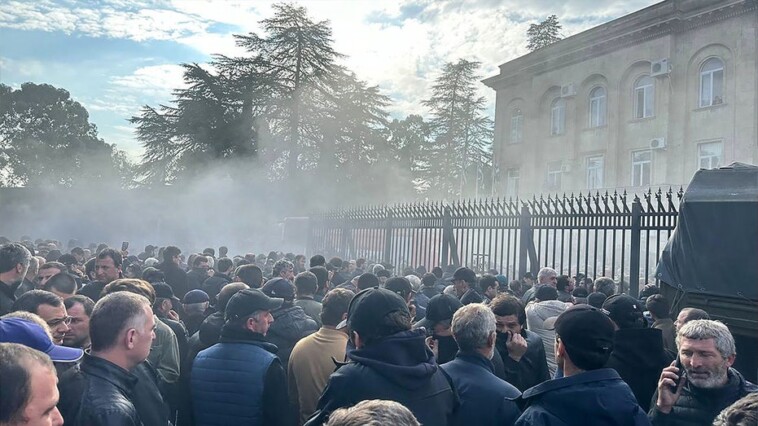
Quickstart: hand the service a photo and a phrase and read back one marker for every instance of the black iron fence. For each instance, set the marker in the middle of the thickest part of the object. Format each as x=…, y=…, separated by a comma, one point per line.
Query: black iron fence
x=616, y=235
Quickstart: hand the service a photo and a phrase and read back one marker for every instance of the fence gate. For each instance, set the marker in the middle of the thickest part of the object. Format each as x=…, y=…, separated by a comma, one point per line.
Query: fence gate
x=615, y=235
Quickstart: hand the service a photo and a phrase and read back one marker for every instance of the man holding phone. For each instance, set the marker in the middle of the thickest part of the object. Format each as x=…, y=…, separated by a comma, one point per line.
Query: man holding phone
x=700, y=383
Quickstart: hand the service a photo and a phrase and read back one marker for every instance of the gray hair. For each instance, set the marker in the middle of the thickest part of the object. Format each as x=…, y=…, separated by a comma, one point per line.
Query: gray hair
x=12, y=254
x=546, y=273
x=472, y=326
x=374, y=412
x=708, y=329
x=606, y=286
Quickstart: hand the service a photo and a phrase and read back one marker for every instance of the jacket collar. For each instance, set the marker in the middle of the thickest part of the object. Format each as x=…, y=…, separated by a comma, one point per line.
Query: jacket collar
x=108, y=371
x=8, y=290
x=577, y=379
x=236, y=335
x=475, y=358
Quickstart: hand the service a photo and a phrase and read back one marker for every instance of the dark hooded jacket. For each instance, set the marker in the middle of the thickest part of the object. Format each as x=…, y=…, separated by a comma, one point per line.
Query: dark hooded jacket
x=531, y=369
x=213, y=285
x=195, y=278
x=638, y=356
x=175, y=277
x=398, y=368
x=291, y=324
x=698, y=406
x=597, y=397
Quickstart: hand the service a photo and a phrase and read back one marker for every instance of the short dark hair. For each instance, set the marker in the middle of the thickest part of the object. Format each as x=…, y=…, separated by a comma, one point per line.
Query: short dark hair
x=250, y=275
x=696, y=314
x=367, y=280
x=169, y=253
x=659, y=306
x=383, y=273
x=437, y=271
x=113, y=254
x=317, y=260
x=562, y=281
x=280, y=266
x=131, y=285
x=209, y=251
x=335, y=305
x=77, y=250
x=112, y=314
x=429, y=280
x=53, y=265
x=87, y=303
x=336, y=262
x=392, y=323
x=89, y=267
x=224, y=264
x=31, y=301
x=198, y=260
x=67, y=259
x=62, y=282
x=11, y=255
x=487, y=281
x=505, y=305
x=306, y=283
x=16, y=363
x=321, y=274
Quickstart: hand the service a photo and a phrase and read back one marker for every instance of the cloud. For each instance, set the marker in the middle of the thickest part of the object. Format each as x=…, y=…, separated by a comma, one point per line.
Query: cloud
x=155, y=80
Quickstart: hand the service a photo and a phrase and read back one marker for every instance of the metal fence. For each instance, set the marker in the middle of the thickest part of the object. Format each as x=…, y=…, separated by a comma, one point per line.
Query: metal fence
x=616, y=235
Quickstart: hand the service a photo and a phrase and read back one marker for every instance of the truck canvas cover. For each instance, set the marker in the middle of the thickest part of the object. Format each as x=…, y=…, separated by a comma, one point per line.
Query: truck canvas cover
x=714, y=248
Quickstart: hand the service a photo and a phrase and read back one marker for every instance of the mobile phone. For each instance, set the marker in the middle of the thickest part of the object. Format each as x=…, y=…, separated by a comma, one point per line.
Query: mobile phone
x=679, y=374
x=124, y=245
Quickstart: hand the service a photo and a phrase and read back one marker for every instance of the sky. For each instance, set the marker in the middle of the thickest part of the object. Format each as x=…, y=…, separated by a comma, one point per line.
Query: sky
x=114, y=56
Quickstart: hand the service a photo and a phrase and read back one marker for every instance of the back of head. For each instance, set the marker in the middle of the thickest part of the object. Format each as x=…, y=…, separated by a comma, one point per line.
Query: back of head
x=744, y=412
x=625, y=311
x=606, y=286
x=692, y=314
x=321, y=274
x=115, y=313
x=336, y=262
x=399, y=285
x=596, y=299
x=658, y=306
x=317, y=260
x=306, y=284
x=227, y=292
x=16, y=365
x=224, y=264
x=367, y=280
x=153, y=275
x=648, y=290
x=437, y=272
x=169, y=253
x=373, y=413
x=562, y=282
x=472, y=326
x=587, y=335
x=429, y=280
x=62, y=283
x=131, y=285
x=377, y=313
x=250, y=275
x=487, y=281
x=31, y=301
x=545, y=293
x=334, y=306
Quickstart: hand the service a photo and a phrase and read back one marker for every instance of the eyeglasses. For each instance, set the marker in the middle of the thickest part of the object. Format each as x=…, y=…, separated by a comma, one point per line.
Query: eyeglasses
x=58, y=321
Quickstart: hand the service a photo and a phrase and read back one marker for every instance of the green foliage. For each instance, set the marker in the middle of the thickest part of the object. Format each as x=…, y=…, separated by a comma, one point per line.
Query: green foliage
x=543, y=34
x=46, y=139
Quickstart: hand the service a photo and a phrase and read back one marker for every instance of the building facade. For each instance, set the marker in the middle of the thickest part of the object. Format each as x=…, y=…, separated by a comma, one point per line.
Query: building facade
x=644, y=100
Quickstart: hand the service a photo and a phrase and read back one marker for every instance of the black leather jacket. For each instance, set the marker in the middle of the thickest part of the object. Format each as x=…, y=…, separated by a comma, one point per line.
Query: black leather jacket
x=98, y=392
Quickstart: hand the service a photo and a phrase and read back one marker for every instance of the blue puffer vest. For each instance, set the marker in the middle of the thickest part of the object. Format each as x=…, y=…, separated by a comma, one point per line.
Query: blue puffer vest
x=227, y=383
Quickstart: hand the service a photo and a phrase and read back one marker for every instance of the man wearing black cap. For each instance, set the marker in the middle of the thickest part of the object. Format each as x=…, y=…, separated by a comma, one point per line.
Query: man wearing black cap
x=638, y=353
x=390, y=362
x=164, y=301
x=291, y=322
x=438, y=322
x=466, y=287
x=588, y=393
x=240, y=380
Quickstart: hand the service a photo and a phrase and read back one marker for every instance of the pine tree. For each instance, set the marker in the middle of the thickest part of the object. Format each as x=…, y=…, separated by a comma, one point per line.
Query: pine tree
x=543, y=34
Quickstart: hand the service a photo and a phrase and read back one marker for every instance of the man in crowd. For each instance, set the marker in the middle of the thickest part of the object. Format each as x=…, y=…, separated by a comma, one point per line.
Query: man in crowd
x=299, y=263
x=312, y=360
x=107, y=269
x=485, y=399
x=195, y=304
x=403, y=288
x=521, y=350
x=250, y=275
x=587, y=392
x=283, y=268
x=210, y=330
x=50, y=308
x=438, y=326
x=707, y=385
x=306, y=285
x=47, y=271
x=390, y=361
x=240, y=380
x=100, y=390
x=29, y=281
x=429, y=285
x=291, y=323
x=79, y=308
x=14, y=262
x=689, y=314
x=659, y=309
x=62, y=285
x=466, y=286
x=163, y=310
x=565, y=287
x=546, y=276
x=488, y=285
x=30, y=330
x=198, y=274
x=174, y=275
x=540, y=313
x=606, y=286
x=212, y=285
x=322, y=275
x=638, y=354
x=29, y=390
x=383, y=276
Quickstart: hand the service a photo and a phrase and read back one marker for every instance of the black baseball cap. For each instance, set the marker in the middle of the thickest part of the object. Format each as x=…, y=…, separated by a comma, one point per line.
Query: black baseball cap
x=624, y=310
x=370, y=306
x=587, y=333
x=164, y=291
x=279, y=287
x=247, y=301
x=465, y=274
x=441, y=307
x=399, y=285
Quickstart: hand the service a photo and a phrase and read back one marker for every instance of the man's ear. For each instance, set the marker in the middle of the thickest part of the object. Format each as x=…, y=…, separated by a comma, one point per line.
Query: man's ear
x=130, y=338
x=491, y=339
x=730, y=360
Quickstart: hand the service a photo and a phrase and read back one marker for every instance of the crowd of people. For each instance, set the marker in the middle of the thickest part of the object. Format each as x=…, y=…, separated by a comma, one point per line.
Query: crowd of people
x=96, y=336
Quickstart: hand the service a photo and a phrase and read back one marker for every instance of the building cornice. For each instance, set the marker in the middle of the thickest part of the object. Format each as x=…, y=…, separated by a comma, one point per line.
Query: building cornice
x=659, y=20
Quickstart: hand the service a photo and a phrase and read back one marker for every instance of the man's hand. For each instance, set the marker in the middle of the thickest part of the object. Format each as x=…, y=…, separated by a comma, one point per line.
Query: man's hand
x=516, y=346
x=173, y=315
x=432, y=344
x=669, y=378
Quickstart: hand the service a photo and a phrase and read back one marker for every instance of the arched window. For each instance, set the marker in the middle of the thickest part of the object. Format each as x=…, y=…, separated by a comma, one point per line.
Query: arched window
x=644, y=96
x=558, y=117
x=597, y=107
x=712, y=82
x=517, y=126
